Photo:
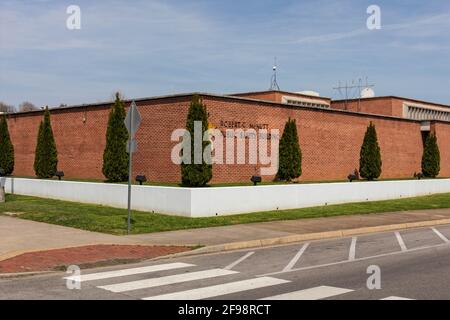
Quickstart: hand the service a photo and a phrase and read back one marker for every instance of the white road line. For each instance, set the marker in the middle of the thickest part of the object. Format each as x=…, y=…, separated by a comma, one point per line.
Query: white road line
x=352, y=252
x=400, y=241
x=440, y=235
x=220, y=290
x=234, y=264
x=395, y=298
x=163, y=281
x=356, y=260
x=316, y=293
x=128, y=272
x=294, y=260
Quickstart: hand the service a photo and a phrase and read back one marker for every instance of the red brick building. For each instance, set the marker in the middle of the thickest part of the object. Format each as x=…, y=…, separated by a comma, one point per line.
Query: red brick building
x=330, y=133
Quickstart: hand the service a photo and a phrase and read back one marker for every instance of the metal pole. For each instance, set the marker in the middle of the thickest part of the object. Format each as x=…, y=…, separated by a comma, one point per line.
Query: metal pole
x=130, y=170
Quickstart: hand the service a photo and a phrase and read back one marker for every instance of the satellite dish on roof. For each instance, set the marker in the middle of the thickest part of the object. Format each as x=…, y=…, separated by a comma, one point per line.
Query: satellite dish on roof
x=309, y=93
x=367, y=93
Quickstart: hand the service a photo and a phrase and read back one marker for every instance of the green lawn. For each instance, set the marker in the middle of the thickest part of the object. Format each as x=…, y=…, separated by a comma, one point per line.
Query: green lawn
x=113, y=221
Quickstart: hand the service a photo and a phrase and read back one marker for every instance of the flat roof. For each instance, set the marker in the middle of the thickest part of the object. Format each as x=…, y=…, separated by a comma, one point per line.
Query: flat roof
x=279, y=91
x=232, y=97
x=178, y=95
x=397, y=98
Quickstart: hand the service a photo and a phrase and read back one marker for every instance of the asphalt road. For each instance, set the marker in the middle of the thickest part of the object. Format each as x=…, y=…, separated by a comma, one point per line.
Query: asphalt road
x=413, y=264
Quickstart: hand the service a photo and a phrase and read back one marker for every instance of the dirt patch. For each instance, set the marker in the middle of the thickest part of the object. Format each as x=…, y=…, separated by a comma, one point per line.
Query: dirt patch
x=88, y=256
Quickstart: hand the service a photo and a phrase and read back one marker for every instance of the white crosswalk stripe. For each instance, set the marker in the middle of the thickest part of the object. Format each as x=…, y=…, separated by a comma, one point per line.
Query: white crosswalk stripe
x=295, y=259
x=316, y=293
x=128, y=272
x=440, y=235
x=212, y=291
x=167, y=280
x=196, y=285
x=395, y=298
x=220, y=290
x=235, y=263
x=401, y=242
x=352, y=251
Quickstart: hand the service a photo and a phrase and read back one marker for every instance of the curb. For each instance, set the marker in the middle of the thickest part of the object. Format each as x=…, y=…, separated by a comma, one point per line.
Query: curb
x=24, y=274
x=261, y=243
x=305, y=237
x=34, y=273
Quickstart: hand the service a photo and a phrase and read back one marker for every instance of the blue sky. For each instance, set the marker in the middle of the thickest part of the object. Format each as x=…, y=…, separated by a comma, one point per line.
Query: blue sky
x=156, y=47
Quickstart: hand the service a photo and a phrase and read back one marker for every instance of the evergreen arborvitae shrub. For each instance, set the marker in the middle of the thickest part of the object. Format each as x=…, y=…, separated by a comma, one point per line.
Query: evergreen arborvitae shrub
x=46, y=155
x=370, y=157
x=115, y=156
x=192, y=174
x=431, y=160
x=6, y=148
x=38, y=152
x=290, y=155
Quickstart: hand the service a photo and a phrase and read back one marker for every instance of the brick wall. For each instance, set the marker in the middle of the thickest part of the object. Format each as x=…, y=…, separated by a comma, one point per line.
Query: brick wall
x=382, y=106
x=277, y=96
x=269, y=96
x=442, y=131
x=80, y=135
x=80, y=143
x=390, y=106
x=330, y=140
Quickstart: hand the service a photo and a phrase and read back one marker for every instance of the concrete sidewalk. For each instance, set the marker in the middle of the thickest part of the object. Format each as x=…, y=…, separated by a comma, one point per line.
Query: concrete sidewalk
x=296, y=229
x=19, y=236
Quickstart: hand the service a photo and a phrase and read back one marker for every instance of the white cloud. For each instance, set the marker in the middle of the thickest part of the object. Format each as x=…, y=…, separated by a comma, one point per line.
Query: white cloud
x=147, y=47
x=106, y=25
x=425, y=27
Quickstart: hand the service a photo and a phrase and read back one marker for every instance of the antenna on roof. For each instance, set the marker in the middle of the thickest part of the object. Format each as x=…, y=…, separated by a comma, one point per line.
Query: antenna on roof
x=355, y=91
x=273, y=82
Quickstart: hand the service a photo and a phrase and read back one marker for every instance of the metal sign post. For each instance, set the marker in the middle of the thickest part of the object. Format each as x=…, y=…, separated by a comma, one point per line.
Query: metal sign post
x=132, y=122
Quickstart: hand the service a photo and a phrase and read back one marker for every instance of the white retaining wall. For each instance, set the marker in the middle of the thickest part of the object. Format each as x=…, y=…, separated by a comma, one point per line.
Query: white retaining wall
x=206, y=202
x=168, y=200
